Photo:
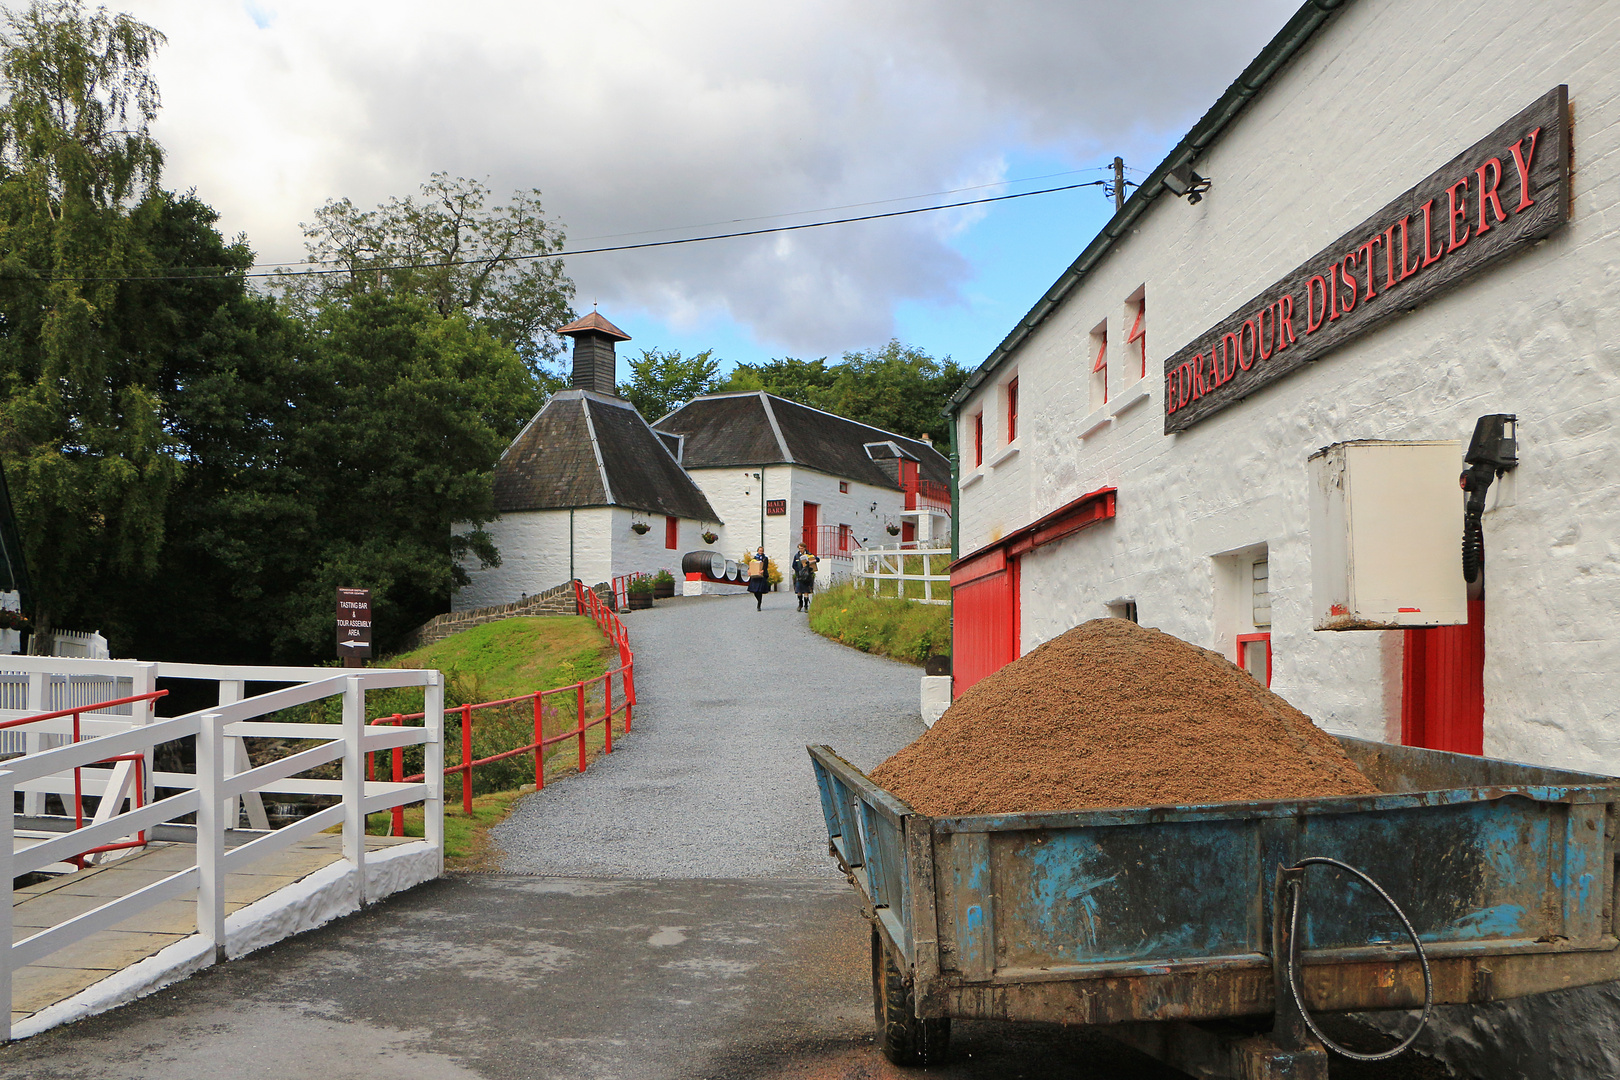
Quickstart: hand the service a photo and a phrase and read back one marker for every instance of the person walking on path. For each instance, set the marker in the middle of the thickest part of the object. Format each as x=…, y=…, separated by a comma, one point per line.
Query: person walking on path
x=758, y=577
x=804, y=576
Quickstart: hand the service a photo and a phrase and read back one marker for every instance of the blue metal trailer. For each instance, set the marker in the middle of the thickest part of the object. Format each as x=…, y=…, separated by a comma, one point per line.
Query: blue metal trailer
x=1158, y=920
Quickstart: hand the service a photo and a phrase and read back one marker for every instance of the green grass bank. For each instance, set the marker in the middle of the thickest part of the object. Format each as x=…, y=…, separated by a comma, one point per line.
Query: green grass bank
x=901, y=629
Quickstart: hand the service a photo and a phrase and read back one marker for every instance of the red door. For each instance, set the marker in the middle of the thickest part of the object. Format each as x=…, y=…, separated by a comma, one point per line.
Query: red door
x=908, y=532
x=1443, y=686
x=811, y=513
x=984, y=624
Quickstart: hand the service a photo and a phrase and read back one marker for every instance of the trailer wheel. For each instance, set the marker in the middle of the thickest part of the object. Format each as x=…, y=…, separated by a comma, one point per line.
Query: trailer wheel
x=903, y=1036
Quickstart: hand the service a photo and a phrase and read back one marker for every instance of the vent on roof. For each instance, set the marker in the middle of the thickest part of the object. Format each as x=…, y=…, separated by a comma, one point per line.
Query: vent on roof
x=595, y=365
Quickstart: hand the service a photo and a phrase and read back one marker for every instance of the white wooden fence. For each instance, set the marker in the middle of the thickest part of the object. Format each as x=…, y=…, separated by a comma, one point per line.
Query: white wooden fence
x=222, y=777
x=905, y=571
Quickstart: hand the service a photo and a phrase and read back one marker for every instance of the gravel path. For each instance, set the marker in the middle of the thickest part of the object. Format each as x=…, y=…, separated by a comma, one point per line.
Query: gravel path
x=713, y=781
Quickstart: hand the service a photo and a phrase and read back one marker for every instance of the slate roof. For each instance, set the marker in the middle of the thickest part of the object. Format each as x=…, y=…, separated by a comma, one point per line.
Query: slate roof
x=589, y=449
x=762, y=429
x=594, y=321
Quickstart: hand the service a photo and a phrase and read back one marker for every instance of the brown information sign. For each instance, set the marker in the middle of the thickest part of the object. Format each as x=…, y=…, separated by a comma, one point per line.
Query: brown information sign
x=775, y=507
x=1500, y=195
x=353, y=624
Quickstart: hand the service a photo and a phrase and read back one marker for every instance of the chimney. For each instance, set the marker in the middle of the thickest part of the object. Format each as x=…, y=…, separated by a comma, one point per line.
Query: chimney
x=595, y=366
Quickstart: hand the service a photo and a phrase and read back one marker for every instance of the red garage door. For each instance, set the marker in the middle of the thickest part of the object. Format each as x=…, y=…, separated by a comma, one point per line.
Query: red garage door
x=984, y=624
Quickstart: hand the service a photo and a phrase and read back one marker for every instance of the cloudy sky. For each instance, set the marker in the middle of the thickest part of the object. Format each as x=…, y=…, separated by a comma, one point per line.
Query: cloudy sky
x=649, y=119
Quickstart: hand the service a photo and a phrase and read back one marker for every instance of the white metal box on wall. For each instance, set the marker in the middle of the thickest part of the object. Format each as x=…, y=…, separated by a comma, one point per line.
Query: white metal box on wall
x=1386, y=535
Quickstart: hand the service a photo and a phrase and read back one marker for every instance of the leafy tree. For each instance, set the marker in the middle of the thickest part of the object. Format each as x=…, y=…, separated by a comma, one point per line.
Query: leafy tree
x=898, y=388
x=81, y=421
x=456, y=253
x=662, y=380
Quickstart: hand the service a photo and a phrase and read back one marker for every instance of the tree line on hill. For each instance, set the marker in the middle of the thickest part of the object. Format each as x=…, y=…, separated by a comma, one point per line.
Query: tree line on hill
x=196, y=459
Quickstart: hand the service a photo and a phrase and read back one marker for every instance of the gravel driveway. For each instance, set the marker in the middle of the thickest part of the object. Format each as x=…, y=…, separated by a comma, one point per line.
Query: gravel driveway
x=713, y=781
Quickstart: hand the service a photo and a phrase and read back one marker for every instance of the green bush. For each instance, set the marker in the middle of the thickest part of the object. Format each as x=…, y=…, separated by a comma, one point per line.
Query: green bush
x=901, y=629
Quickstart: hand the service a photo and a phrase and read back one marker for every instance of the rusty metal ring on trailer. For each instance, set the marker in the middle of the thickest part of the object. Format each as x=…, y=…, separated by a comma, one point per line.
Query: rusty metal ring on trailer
x=1293, y=963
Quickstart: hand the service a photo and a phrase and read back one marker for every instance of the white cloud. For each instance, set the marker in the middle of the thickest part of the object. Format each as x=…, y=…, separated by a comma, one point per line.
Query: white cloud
x=641, y=115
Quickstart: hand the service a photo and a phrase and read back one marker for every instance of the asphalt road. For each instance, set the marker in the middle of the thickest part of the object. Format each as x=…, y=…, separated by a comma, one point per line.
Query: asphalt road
x=714, y=781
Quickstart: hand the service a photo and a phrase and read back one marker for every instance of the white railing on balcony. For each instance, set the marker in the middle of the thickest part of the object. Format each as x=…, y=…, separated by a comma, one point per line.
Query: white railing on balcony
x=222, y=777
x=908, y=571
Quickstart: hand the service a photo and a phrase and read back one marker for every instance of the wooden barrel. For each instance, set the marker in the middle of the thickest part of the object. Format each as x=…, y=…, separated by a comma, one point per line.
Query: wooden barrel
x=731, y=570
x=711, y=563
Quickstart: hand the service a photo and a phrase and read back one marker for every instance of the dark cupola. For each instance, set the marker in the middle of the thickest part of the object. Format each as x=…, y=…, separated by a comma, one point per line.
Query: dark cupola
x=595, y=366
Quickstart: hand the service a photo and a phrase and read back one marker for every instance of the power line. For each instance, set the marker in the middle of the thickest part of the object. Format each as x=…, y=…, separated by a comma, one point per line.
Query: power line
x=329, y=270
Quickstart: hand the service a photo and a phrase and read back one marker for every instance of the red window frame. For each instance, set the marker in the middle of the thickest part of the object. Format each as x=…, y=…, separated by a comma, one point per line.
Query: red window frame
x=1012, y=410
x=1242, y=653
x=1139, y=332
x=843, y=538
x=672, y=532
x=843, y=487
x=978, y=438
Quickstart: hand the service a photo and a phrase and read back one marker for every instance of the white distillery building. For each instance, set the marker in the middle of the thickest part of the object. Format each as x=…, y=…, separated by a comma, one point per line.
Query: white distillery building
x=781, y=474
x=587, y=490
x=1403, y=217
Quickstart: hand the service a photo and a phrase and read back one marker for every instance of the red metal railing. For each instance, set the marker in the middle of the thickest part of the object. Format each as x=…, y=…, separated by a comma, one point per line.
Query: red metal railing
x=831, y=541
x=139, y=797
x=928, y=495
x=587, y=603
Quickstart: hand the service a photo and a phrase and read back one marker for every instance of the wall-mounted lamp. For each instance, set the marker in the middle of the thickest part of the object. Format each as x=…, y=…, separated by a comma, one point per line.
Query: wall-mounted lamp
x=1493, y=451
x=1182, y=181
x=874, y=508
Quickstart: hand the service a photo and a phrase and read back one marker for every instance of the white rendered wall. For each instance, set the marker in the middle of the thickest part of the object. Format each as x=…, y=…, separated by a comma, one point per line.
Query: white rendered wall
x=534, y=549
x=646, y=553
x=1364, y=113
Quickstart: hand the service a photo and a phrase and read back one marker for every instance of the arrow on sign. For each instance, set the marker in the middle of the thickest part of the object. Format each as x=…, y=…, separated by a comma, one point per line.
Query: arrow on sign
x=354, y=644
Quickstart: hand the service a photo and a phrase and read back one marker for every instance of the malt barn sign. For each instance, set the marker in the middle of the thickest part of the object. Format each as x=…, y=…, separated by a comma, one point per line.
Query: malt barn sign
x=1500, y=195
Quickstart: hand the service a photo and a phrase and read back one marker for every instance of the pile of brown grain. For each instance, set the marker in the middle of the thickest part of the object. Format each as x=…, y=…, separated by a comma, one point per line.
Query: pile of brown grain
x=1114, y=714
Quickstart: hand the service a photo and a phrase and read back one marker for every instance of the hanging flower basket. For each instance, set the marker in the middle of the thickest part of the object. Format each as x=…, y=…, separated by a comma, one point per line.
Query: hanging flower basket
x=710, y=536
x=894, y=530
x=639, y=528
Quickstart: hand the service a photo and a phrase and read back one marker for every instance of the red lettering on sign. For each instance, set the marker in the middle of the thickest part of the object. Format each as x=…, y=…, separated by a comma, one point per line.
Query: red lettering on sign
x=1186, y=383
x=1389, y=256
x=1171, y=401
x=1333, y=293
x=1312, y=319
x=1365, y=251
x=1231, y=355
x=1260, y=337
x=1488, y=195
x=1457, y=211
x=1406, y=271
x=1524, y=161
x=1285, y=321
x=1428, y=234
x=1348, y=276
x=1245, y=335
x=1198, y=390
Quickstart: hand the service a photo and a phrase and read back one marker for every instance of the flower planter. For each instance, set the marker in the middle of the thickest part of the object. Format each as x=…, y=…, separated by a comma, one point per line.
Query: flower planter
x=663, y=592
x=639, y=601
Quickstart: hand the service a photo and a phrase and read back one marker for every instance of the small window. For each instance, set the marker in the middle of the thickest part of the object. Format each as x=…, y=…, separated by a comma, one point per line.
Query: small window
x=1099, y=365
x=1012, y=411
x=843, y=487
x=1123, y=609
x=1136, y=339
x=1254, y=656
x=1260, y=593
x=978, y=438
x=672, y=532
x=843, y=538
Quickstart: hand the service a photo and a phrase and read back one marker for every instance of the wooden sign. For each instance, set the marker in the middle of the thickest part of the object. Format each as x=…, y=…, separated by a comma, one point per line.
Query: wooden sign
x=1496, y=198
x=353, y=624
x=775, y=507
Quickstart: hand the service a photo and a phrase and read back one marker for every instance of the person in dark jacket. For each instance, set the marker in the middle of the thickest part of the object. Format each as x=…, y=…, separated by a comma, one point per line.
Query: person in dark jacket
x=804, y=576
x=759, y=568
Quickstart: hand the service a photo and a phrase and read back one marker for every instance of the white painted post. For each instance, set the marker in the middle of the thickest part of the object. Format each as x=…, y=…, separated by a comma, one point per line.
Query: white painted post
x=33, y=742
x=211, y=833
x=433, y=766
x=354, y=781
x=7, y=839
